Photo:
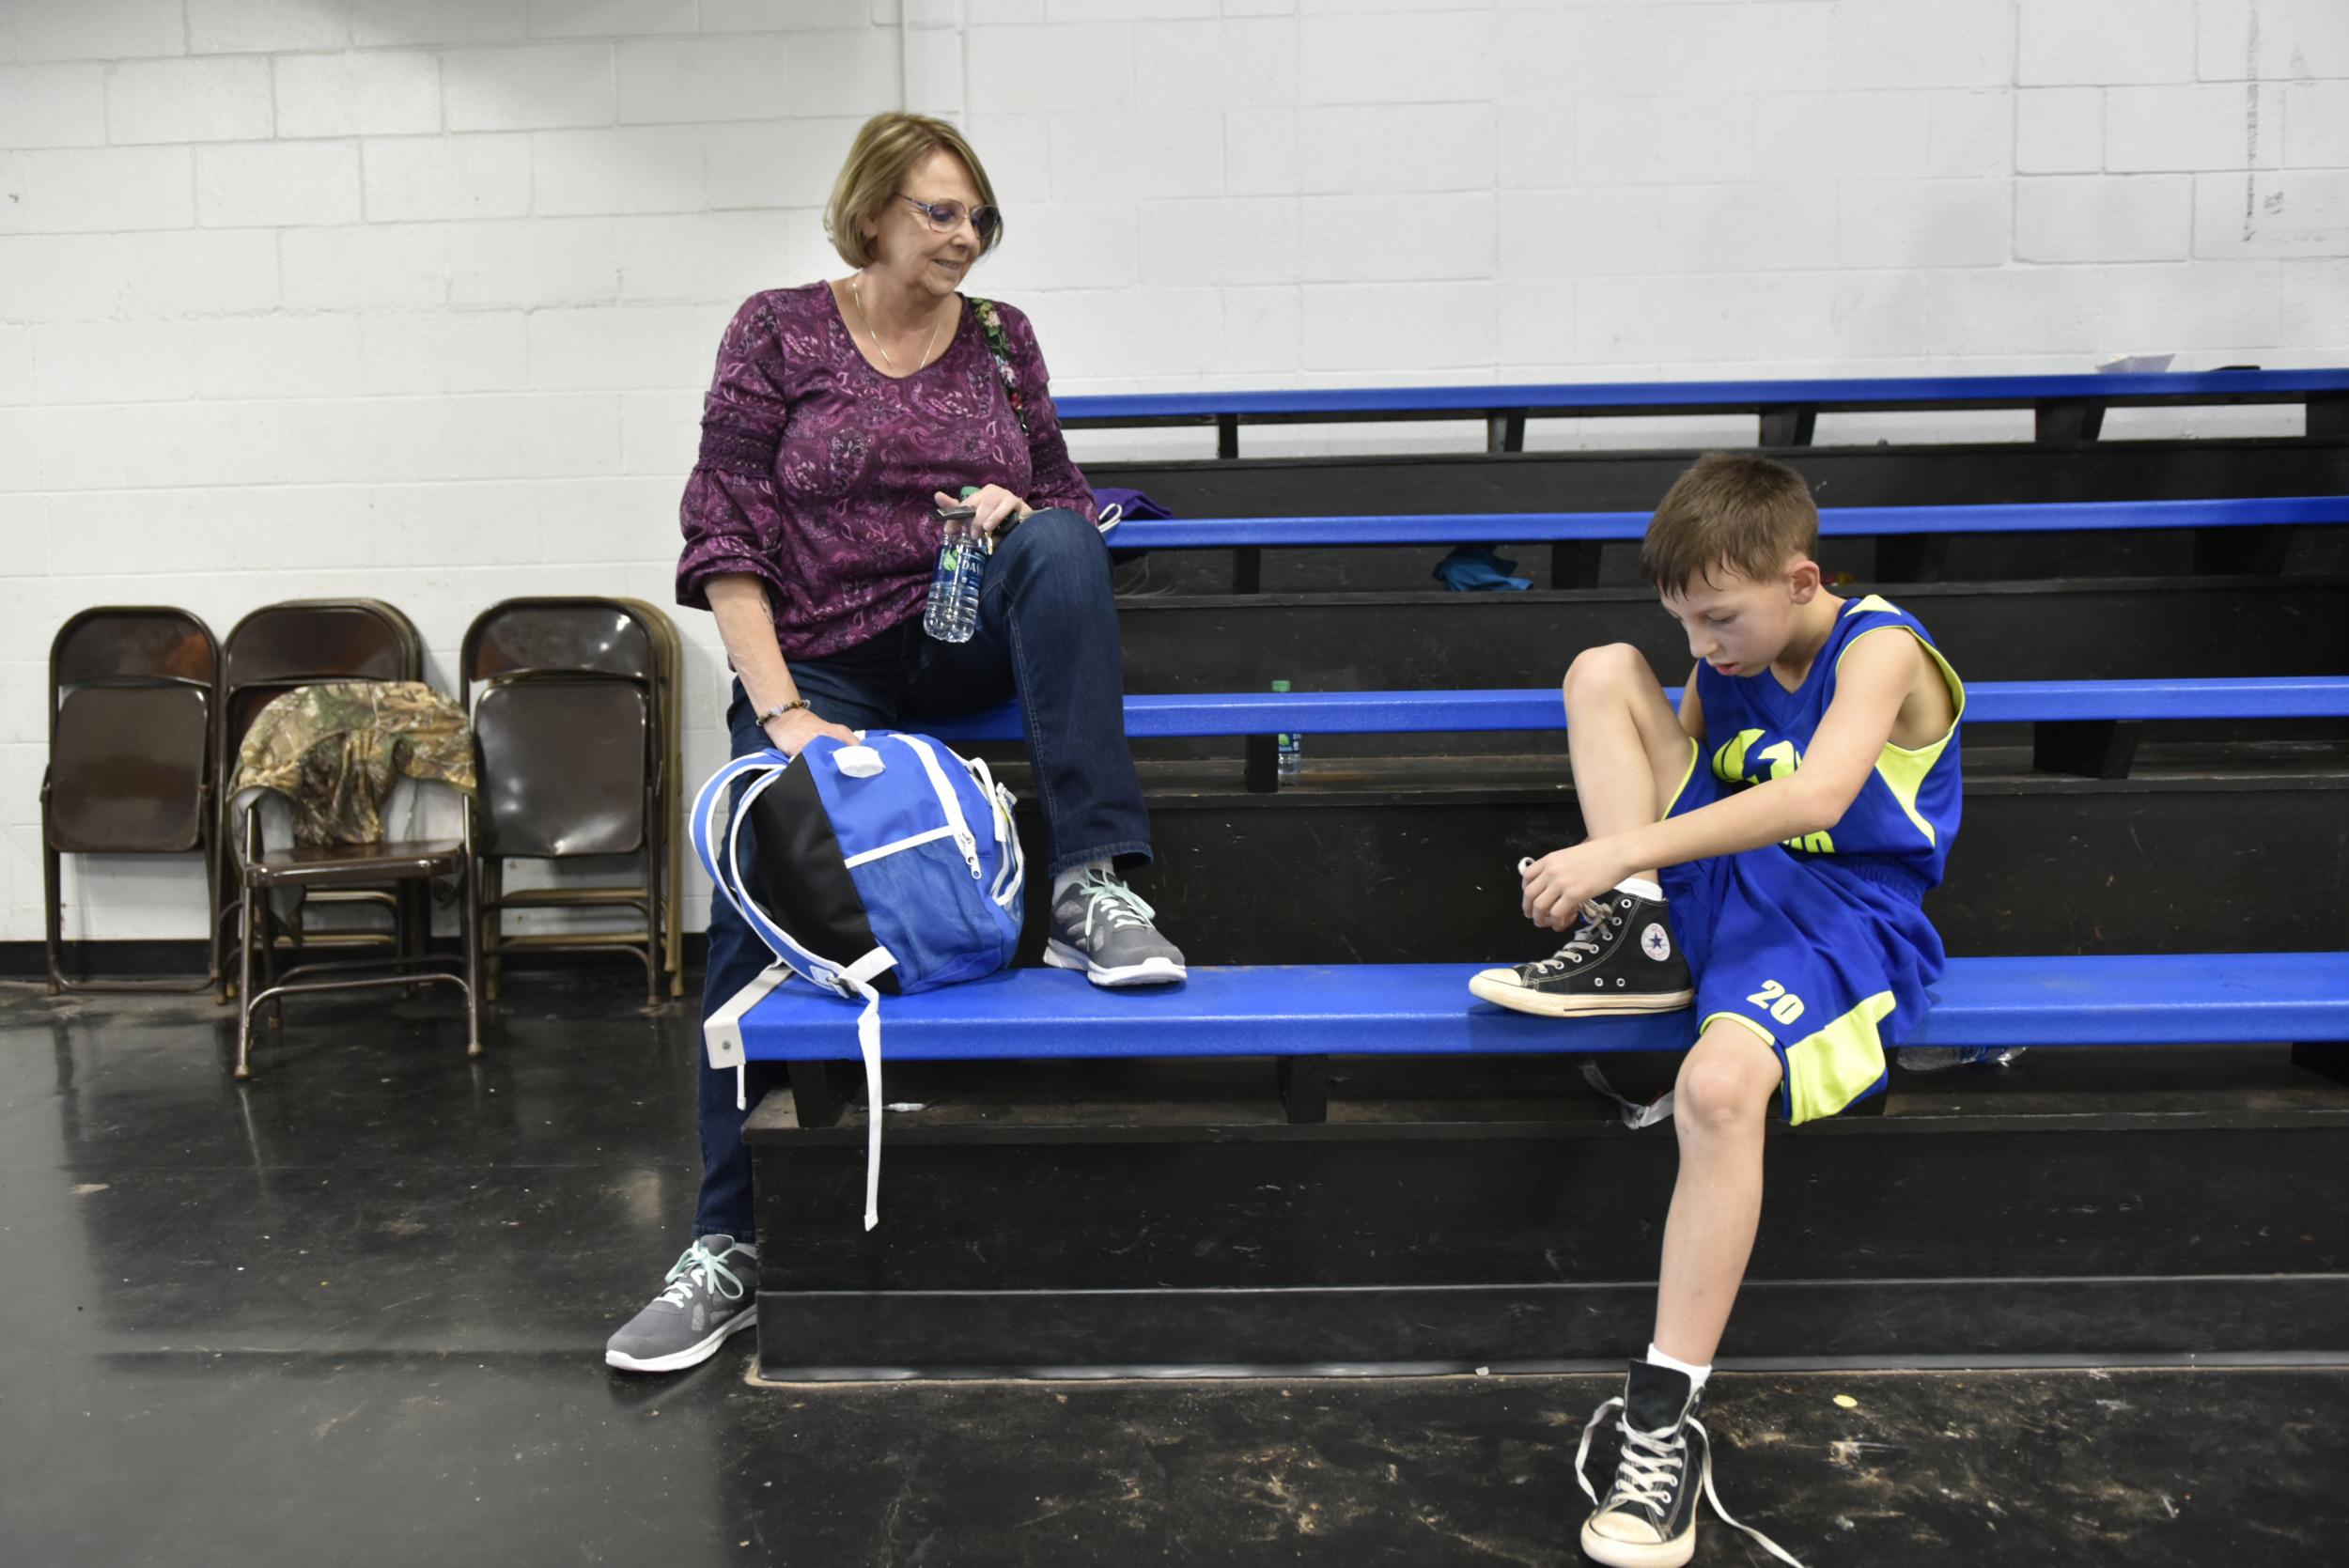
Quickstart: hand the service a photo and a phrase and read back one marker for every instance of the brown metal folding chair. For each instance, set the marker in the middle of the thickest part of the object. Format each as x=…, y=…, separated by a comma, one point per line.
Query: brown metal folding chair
x=131, y=690
x=567, y=719
x=324, y=869
x=272, y=651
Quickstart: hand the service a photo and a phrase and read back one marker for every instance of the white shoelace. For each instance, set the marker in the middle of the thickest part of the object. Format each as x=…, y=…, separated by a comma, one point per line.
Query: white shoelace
x=698, y=1266
x=1113, y=905
x=1653, y=1460
x=1594, y=914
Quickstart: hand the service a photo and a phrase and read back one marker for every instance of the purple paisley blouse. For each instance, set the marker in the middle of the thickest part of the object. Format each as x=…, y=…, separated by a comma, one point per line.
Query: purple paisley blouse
x=817, y=471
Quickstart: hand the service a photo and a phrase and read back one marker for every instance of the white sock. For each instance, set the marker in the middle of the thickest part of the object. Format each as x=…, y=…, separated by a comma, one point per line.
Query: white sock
x=1076, y=874
x=1639, y=887
x=1696, y=1376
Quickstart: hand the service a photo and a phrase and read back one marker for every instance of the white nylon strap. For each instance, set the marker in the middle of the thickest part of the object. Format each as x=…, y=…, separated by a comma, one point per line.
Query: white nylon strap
x=1634, y=1115
x=859, y=975
x=722, y=1033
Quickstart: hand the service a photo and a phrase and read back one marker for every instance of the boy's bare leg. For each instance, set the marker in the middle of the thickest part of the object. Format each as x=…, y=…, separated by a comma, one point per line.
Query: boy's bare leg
x=1720, y=1107
x=1628, y=750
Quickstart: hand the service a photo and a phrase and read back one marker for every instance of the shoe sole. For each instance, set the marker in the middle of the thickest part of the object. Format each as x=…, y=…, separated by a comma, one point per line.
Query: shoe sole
x=1150, y=971
x=1541, y=1004
x=692, y=1356
x=1639, y=1554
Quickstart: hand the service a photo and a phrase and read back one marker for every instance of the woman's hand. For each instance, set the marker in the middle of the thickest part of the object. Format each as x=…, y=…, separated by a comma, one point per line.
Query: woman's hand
x=793, y=730
x=1558, y=884
x=990, y=506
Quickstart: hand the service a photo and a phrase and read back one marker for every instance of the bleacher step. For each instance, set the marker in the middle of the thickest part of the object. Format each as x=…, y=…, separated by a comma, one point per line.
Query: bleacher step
x=1907, y=474
x=1414, y=862
x=2119, y=630
x=1967, y=1225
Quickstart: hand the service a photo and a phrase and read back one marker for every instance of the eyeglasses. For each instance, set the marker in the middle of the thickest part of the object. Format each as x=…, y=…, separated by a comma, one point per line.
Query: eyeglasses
x=946, y=216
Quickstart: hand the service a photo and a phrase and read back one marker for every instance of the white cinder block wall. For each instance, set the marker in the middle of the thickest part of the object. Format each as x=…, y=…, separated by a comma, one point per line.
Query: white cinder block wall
x=414, y=299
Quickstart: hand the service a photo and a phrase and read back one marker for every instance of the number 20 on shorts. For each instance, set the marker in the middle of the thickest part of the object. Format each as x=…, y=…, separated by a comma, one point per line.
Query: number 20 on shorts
x=1783, y=1004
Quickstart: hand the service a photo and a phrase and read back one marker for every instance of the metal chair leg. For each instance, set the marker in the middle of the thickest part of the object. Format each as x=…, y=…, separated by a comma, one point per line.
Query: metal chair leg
x=266, y=913
x=652, y=920
x=224, y=866
x=469, y=870
x=493, y=923
x=53, y=914
x=244, y=983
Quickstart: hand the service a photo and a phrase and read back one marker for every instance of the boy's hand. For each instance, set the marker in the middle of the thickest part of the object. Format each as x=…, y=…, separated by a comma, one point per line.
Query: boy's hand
x=1558, y=884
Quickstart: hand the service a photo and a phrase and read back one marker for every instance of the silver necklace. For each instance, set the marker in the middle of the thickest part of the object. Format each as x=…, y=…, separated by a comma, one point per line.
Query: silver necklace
x=931, y=342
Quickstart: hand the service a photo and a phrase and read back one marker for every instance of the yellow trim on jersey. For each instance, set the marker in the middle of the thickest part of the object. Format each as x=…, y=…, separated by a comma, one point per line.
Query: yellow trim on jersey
x=1759, y=1032
x=1904, y=769
x=1696, y=754
x=1827, y=1071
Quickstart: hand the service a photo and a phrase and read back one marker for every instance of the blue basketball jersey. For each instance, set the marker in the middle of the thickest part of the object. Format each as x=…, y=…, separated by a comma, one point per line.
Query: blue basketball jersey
x=1755, y=729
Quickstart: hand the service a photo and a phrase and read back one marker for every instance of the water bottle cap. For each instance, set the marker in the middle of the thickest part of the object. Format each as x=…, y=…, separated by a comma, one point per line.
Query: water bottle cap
x=1279, y=685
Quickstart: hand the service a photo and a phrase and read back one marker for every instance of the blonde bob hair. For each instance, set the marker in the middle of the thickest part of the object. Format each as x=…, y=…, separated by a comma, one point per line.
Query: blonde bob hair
x=885, y=151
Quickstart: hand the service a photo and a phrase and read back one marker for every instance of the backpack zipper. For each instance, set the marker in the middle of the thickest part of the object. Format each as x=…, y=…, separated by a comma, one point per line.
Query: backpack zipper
x=902, y=844
x=956, y=823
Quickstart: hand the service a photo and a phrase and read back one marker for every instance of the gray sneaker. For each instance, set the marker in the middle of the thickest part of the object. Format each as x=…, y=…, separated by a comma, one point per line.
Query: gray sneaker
x=710, y=1296
x=1102, y=927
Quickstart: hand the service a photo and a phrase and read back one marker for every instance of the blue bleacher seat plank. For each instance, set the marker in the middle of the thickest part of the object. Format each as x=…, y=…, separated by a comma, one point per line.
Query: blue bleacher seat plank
x=2055, y=516
x=1538, y=708
x=1724, y=396
x=1425, y=1009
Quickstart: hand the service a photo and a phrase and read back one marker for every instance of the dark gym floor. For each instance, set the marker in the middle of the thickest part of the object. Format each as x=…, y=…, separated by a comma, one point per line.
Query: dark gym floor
x=354, y=1313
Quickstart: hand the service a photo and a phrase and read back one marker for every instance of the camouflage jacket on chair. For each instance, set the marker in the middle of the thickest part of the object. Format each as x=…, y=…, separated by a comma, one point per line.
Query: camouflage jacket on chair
x=335, y=749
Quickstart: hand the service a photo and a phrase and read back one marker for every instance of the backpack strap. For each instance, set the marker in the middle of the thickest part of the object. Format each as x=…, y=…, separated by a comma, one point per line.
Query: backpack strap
x=999, y=347
x=721, y=1036
x=722, y=859
x=859, y=975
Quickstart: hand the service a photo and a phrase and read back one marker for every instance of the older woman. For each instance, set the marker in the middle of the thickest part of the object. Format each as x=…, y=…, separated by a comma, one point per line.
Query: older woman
x=841, y=414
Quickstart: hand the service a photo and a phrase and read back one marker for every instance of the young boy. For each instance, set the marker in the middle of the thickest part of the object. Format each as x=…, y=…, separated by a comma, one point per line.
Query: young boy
x=1763, y=853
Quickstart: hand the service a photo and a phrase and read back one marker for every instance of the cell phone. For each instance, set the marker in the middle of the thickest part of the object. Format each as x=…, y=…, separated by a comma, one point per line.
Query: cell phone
x=953, y=514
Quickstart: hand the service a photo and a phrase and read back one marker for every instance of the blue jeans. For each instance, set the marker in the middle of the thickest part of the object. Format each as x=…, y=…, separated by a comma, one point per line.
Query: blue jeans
x=1048, y=634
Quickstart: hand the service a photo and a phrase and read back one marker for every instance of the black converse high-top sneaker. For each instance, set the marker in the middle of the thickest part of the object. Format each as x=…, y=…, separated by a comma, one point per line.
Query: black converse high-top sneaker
x=1621, y=959
x=1648, y=1519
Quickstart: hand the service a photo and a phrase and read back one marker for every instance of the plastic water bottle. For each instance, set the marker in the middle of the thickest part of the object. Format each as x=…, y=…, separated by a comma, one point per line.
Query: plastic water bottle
x=952, y=612
x=1290, y=748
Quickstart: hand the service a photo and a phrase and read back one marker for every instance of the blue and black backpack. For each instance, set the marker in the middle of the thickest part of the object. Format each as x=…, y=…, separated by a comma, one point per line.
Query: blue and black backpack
x=883, y=868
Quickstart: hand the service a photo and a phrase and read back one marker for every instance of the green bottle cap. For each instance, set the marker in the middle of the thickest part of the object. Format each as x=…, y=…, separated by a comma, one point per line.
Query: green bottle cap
x=1279, y=685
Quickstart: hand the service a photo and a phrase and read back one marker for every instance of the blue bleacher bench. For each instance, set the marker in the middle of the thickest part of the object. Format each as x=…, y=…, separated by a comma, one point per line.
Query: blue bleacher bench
x=2066, y=407
x=1301, y=1016
x=1610, y=527
x=1538, y=708
x=1426, y=1010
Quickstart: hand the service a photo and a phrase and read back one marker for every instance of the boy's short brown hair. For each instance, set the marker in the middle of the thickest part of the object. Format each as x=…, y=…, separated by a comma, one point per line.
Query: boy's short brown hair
x=1731, y=510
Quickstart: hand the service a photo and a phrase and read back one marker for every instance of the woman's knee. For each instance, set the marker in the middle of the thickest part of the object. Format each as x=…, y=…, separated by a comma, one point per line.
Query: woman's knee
x=1725, y=1086
x=1055, y=538
x=1055, y=565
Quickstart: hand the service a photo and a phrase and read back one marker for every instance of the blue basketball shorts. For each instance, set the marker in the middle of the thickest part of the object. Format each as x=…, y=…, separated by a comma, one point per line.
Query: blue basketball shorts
x=1825, y=958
